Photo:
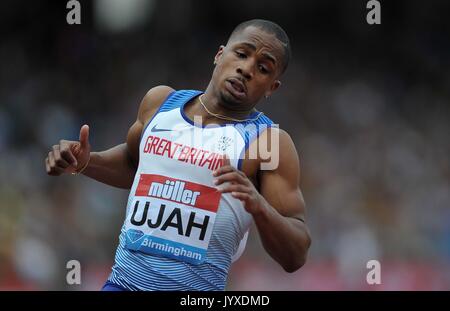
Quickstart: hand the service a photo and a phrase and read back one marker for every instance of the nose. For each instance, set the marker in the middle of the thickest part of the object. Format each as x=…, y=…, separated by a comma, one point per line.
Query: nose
x=244, y=69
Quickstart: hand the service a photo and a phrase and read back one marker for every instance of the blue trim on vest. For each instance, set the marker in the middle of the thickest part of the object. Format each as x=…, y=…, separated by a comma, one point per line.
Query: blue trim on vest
x=154, y=115
x=178, y=99
x=113, y=287
x=262, y=123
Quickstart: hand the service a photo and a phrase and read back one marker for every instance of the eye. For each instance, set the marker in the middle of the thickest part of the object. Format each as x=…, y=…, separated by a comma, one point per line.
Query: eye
x=240, y=54
x=263, y=69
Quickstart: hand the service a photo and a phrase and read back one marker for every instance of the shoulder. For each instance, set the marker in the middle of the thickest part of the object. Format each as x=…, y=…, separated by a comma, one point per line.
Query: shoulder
x=275, y=151
x=280, y=164
x=275, y=146
x=273, y=132
x=274, y=136
x=159, y=92
x=152, y=101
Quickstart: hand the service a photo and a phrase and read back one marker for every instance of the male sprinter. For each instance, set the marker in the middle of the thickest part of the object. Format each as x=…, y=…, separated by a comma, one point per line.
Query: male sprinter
x=192, y=200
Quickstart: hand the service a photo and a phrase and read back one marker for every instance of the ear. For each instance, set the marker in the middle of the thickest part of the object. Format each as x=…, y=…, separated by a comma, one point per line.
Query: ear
x=219, y=54
x=275, y=85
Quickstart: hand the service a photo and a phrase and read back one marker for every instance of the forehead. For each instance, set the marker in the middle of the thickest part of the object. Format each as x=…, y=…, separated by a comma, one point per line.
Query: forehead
x=261, y=39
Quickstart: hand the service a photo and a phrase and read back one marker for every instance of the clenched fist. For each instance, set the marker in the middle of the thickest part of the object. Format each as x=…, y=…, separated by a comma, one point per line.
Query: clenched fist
x=69, y=156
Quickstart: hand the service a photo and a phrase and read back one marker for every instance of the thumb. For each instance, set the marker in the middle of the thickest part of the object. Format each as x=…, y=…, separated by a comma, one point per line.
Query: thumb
x=84, y=136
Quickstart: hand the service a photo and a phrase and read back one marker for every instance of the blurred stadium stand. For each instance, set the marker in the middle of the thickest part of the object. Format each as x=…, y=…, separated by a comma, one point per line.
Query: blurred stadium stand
x=367, y=106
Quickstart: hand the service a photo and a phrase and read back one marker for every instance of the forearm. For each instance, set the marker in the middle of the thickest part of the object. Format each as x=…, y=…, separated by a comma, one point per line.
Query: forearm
x=112, y=167
x=286, y=239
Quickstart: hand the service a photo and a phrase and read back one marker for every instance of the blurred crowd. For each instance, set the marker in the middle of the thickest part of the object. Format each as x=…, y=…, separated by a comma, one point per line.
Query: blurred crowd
x=367, y=106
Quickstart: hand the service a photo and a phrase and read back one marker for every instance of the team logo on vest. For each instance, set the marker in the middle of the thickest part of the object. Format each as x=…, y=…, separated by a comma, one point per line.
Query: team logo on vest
x=223, y=143
x=172, y=218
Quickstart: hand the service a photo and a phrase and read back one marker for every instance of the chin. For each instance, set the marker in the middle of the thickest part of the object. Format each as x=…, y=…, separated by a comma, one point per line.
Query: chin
x=228, y=99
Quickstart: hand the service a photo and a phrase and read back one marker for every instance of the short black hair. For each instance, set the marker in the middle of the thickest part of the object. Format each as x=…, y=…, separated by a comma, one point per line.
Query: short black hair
x=270, y=28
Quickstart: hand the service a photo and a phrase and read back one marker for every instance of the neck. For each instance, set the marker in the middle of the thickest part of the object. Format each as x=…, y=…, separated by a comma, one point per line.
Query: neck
x=214, y=105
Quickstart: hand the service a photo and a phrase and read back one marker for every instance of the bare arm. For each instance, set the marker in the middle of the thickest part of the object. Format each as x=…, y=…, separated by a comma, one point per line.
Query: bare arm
x=278, y=209
x=281, y=222
x=116, y=166
x=113, y=167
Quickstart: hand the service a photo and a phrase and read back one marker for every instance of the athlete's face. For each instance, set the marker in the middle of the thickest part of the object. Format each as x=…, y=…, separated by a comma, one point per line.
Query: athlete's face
x=247, y=68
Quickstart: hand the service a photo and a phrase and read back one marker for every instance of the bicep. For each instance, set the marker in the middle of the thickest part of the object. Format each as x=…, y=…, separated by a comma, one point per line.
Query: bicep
x=281, y=186
x=148, y=107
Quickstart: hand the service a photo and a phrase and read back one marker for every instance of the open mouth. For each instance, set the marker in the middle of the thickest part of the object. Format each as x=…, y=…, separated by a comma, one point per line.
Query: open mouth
x=237, y=87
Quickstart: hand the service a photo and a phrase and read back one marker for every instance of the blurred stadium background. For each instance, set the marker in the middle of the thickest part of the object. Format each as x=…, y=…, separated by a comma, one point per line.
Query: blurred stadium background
x=367, y=106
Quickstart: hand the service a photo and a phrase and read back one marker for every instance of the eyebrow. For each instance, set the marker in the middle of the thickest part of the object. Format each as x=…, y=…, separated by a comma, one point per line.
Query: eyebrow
x=265, y=54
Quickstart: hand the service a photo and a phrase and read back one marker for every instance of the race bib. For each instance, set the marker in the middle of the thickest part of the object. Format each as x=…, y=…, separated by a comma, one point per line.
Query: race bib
x=171, y=218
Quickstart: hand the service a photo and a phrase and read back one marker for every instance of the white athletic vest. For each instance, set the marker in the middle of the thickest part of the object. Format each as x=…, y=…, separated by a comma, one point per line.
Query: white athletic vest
x=180, y=233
